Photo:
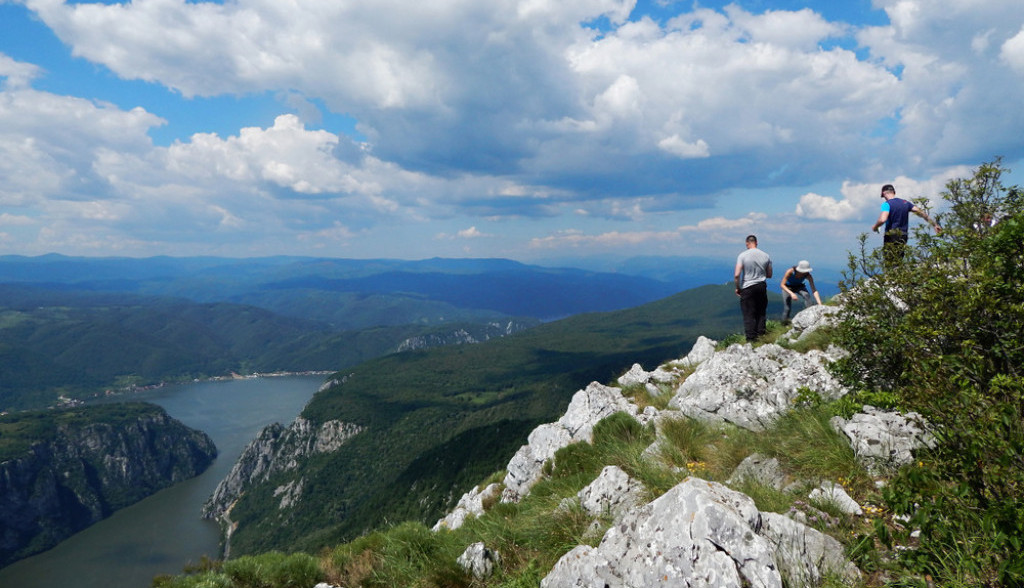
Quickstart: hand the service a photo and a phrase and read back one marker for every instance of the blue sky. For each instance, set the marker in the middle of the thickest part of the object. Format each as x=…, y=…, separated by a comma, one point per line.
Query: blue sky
x=536, y=130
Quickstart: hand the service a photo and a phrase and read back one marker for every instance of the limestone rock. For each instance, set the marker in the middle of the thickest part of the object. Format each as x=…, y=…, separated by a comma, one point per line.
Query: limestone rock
x=759, y=469
x=471, y=504
x=805, y=555
x=698, y=533
x=703, y=534
x=701, y=351
x=635, y=376
x=612, y=492
x=881, y=439
x=811, y=319
x=276, y=449
x=478, y=560
x=587, y=407
x=752, y=387
x=834, y=493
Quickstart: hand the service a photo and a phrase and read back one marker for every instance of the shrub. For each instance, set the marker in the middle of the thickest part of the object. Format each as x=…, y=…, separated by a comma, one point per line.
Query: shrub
x=943, y=329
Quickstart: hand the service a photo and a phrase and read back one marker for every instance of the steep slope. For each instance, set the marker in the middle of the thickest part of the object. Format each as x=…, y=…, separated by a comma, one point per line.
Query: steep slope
x=61, y=471
x=692, y=531
x=433, y=422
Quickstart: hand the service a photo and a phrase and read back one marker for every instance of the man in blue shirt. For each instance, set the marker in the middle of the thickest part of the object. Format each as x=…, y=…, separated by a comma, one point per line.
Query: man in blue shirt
x=895, y=216
x=753, y=266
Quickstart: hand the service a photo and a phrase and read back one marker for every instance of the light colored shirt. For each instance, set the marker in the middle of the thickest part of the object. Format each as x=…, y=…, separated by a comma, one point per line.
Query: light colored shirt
x=754, y=265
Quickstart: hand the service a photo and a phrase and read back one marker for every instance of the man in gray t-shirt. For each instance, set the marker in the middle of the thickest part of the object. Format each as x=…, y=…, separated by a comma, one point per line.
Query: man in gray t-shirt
x=753, y=267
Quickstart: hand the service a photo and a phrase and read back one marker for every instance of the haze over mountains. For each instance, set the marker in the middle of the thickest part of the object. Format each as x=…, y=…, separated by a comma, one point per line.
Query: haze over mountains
x=75, y=325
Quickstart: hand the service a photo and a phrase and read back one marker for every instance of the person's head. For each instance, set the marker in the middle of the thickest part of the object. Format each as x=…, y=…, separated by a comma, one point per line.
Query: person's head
x=888, y=191
x=804, y=267
x=751, y=241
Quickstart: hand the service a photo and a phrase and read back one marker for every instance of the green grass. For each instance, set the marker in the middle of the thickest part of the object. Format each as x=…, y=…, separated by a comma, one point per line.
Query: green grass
x=532, y=535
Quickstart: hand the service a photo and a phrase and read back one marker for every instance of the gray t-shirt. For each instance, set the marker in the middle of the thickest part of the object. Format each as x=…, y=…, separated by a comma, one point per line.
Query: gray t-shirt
x=754, y=264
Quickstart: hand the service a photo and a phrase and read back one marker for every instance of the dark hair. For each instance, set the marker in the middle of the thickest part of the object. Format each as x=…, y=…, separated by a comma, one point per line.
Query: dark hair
x=752, y=239
x=888, y=188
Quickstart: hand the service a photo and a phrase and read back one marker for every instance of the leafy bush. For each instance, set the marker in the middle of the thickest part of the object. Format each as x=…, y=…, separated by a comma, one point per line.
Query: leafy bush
x=943, y=329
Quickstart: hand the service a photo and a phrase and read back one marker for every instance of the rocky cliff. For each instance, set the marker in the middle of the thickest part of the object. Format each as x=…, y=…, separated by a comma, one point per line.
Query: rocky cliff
x=276, y=450
x=464, y=335
x=93, y=462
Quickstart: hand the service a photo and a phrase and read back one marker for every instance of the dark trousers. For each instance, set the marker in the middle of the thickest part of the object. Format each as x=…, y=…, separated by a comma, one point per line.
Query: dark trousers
x=754, y=304
x=894, y=246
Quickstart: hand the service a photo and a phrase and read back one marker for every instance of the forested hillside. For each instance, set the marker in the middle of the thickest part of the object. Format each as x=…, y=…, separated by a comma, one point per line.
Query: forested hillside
x=75, y=343
x=76, y=326
x=436, y=421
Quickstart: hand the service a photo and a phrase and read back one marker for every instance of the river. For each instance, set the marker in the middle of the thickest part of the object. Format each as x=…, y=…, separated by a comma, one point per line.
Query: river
x=163, y=533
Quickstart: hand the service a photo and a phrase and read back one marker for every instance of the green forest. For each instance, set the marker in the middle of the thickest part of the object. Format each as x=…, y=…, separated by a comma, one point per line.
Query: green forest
x=439, y=420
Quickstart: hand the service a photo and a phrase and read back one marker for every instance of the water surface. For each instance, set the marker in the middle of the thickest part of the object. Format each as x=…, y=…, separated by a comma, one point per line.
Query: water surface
x=163, y=533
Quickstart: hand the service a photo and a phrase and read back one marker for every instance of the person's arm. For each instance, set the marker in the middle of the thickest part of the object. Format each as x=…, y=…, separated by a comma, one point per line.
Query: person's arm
x=927, y=218
x=736, y=275
x=881, y=220
x=768, y=269
x=782, y=284
x=817, y=297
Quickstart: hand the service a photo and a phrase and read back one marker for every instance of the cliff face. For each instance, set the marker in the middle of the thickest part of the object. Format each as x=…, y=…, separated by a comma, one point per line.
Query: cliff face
x=275, y=450
x=465, y=335
x=88, y=470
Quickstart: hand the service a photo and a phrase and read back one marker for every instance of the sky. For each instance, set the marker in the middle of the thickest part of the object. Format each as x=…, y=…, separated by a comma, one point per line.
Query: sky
x=535, y=130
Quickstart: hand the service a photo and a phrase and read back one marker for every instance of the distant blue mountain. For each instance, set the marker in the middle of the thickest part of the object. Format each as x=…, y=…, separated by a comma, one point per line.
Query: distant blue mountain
x=336, y=291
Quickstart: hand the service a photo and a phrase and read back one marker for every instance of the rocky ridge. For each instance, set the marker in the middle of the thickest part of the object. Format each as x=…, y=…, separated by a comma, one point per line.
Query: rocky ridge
x=702, y=533
x=464, y=335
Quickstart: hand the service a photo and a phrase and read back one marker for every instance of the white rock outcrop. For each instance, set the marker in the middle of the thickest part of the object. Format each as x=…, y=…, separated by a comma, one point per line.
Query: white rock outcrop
x=751, y=387
x=759, y=469
x=698, y=533
x=811, y=319
x=587, y=407
x=883, y=440
x=613, y=492
x=702, y=533
x=478, y=560
x=471, y=504
x=804, y=555
x=836, y=494
x=277, y=449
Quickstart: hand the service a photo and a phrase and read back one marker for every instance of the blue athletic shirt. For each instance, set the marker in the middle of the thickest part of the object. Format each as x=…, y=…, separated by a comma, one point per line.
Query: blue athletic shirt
x=899, y=214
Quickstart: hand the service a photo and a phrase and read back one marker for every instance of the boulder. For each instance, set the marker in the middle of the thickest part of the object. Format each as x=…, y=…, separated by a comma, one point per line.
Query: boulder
x=883, y=440
x=811, y=319
x=751, y=387
x=759, y=469
x=478, y=560
x=805, y=556
x=701, y=351
x=698, y=533
x=834, y=493
x=634, y=377
x=612, y=492
x=701, y=533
